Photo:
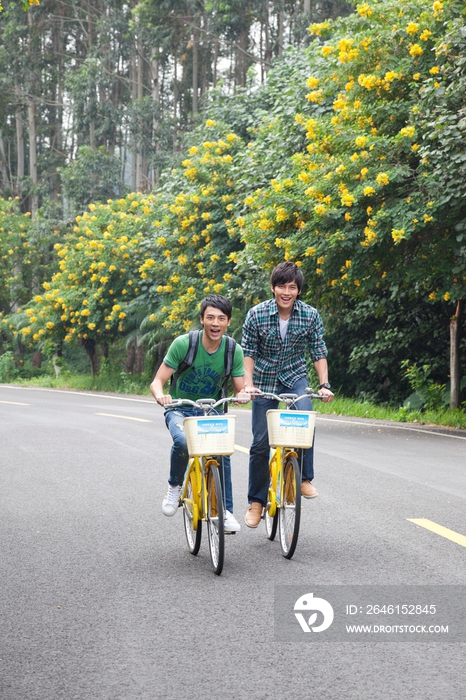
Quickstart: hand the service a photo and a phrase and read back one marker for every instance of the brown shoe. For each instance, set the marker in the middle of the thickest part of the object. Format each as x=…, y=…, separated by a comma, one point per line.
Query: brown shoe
x=308, y=490
x=253, y=514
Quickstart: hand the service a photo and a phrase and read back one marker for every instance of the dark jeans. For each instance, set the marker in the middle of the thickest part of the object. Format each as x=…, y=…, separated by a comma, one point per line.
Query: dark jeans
x=260, y=448
x=179, y=453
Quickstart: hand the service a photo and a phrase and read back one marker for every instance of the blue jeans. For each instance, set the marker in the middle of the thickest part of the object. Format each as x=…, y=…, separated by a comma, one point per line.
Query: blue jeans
x=179, y=453
x=260, y=448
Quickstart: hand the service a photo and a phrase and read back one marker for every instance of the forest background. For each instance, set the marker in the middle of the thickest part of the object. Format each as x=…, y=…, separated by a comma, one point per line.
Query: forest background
x=154, y=152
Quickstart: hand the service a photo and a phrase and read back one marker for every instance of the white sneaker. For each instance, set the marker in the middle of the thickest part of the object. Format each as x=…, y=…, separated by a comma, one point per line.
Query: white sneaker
x=170, y=502
x=231, y=524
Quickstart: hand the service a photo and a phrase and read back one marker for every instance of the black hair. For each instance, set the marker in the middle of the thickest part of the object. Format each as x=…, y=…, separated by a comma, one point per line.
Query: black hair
x=218, y=302
x=287, y=272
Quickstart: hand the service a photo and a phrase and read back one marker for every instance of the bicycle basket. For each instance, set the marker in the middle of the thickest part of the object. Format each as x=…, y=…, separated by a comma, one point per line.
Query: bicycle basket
x=291, y=428
x=210, y=435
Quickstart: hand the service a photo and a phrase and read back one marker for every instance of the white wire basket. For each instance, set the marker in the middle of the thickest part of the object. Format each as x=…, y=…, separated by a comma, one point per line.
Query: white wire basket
x=210, y=435
x=291, y=428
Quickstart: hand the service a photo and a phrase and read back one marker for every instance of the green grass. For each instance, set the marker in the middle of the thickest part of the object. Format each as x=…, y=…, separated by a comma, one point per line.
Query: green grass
x=363, y=409
x=126, y=384
x=120, y=384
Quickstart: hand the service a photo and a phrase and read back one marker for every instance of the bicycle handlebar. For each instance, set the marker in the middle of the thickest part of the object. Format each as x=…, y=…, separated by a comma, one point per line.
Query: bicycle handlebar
x=288, y=398
x=205, y=403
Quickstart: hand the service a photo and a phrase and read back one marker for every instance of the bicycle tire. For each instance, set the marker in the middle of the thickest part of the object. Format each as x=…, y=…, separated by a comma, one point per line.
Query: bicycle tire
x=215, y=519
x=271, y=522
x=192, y=521
x=290, y=508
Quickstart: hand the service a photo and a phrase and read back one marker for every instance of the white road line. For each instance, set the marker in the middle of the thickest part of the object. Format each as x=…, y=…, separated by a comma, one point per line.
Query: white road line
x=113, y=415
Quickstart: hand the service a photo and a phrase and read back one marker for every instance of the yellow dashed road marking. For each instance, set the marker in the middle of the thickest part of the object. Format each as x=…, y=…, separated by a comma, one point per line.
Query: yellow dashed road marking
x=439, y=530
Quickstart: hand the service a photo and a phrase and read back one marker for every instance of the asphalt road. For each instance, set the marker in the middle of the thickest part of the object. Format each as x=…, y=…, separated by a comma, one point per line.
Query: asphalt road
x=100, y=599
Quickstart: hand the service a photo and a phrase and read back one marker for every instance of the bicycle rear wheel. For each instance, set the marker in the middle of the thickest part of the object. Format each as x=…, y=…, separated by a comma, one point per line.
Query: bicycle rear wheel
x=215, y=523
x=271, y=521
x=192, y=522
x=290, y=510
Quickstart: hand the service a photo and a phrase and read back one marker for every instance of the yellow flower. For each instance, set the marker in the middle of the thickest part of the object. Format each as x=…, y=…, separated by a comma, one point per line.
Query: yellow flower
x=446, y=296
x=434, y=70
x=312, y=82
x=348, y=199
x=412, y=28
x=416, y=76
x=365, y=10
x=360, y=141
x=425, y=35
x=368, y=191
x=210, y=122
x=398, y=234
x=407, y=131
x=416, y=50
x=327, y=50
x=382, y=179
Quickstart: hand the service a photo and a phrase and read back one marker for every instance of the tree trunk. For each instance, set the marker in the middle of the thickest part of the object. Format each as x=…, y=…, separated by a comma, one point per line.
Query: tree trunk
x=19, y=143
x=55, y=363
x=307, y=7
x=4, y=165
x=139, y=96
x=37, y=359
x=33, y=156
x=129, y=364
x=281, y=28
x=140, y=359
x=195, y=66
x=455, y=332
x=90, y=348
x=154, y=70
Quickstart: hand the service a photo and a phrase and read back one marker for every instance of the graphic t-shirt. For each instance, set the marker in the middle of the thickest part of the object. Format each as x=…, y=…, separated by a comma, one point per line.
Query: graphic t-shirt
x=203, y=379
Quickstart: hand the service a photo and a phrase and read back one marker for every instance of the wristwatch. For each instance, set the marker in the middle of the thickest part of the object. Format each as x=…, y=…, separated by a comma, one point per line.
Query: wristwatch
x=325, y=385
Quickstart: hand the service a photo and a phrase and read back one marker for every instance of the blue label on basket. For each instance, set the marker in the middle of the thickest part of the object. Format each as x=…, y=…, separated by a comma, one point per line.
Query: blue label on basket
x=207, y=427
x=290, y=419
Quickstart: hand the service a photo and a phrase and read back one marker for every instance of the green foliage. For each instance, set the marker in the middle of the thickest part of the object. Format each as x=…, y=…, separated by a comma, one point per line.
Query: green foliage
x=94, y=176
x=430, y=393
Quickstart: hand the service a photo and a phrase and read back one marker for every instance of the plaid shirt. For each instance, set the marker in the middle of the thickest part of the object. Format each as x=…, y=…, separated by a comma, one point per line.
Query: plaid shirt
x=277, y=361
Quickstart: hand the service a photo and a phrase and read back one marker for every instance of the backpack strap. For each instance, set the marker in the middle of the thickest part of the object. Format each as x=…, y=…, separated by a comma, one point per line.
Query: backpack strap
x=188, y=358
x=230, y=347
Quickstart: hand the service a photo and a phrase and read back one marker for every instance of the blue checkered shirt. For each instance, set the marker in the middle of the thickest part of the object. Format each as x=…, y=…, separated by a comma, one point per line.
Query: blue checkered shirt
x=277, y=361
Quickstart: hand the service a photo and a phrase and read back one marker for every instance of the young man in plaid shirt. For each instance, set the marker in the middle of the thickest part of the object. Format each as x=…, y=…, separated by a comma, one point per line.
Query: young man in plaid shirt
x=276, y=334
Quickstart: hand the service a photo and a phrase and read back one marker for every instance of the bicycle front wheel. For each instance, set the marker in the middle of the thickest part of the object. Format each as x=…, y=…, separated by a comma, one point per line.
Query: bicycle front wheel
x=290, y=509
x=192, y=521
x=215, y=524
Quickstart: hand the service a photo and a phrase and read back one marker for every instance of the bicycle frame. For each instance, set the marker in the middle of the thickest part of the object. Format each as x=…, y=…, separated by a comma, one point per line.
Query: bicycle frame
x=202, y=495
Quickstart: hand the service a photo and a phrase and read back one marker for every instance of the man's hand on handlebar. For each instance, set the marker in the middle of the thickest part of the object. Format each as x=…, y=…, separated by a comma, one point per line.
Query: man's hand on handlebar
x=251, y=390
x=242, y=396
x=164, y=399
x=327, y=395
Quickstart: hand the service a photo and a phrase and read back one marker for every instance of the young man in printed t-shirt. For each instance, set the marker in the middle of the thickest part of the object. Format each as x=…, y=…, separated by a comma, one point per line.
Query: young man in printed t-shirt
x=203, y=379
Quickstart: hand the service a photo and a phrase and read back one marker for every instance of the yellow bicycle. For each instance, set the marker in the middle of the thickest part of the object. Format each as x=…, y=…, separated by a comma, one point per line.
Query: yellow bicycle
x=208, y=437
x=289, y=431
